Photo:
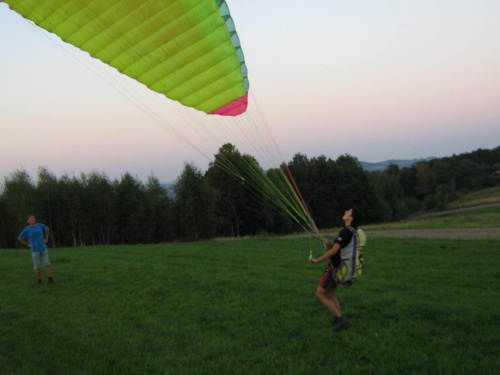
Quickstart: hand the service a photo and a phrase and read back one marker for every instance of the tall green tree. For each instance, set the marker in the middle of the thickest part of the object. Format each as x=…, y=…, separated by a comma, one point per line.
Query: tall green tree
x=426, y=182
x=388, y=191
x=236, y=181
x=301, y=169
x=70, y=223
x=161, y=215
x=354, y=188
x=47, y=199
x=133, y=221
x=325, y=203
x=101, y=207
x=193, y=205
x=18, y=193
x=4, y=222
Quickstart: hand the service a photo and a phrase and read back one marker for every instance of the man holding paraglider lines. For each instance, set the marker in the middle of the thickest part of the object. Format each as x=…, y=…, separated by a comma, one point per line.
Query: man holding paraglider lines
x=343, y=255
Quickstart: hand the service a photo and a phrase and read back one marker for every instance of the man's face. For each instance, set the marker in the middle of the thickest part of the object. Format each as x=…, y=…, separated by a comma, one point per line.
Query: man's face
x=31, y=220
x=347, y=216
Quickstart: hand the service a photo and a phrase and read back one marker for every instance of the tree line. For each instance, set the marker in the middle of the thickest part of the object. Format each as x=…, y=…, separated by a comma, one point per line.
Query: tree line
x=92, y=209
x=431, y=185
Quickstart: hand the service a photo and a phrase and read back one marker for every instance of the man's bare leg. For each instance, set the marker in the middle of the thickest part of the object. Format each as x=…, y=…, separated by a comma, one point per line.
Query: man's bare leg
x=328, y=299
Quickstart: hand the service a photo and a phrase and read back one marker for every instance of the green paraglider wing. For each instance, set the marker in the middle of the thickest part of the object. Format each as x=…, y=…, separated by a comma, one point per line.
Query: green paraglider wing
x=187, y=50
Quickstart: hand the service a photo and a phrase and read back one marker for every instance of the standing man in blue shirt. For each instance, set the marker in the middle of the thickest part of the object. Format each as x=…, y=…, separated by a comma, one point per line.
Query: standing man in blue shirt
x=35, y=236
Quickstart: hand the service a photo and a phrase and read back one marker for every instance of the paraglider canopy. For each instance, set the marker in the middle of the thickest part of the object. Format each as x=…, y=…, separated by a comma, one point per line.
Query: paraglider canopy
x=187, y=50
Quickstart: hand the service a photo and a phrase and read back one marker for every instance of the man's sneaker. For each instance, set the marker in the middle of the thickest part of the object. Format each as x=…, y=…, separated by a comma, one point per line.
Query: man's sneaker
x=39, y=281
x=340, y=324
x=50, y=280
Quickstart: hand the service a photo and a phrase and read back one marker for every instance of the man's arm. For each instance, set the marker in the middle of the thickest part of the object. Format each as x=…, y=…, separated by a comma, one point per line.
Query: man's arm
x=327, y=255
x=46, y=236
x=25, y=243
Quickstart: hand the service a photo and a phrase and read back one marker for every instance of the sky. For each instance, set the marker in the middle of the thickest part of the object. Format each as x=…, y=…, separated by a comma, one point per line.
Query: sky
x=392, y=79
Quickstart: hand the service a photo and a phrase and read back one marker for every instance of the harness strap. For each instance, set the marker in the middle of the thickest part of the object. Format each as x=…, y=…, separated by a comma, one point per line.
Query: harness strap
x=354, y=250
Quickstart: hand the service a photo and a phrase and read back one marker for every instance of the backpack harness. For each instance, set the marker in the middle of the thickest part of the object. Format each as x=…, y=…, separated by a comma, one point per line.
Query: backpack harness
x=351, y=260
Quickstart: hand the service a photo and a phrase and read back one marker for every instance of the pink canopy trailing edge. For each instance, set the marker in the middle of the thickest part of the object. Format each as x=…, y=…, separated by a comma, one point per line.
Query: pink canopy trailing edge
x=234, y=108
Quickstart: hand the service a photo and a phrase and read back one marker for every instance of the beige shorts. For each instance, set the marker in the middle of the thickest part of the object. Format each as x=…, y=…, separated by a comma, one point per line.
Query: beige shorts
x=40, y=256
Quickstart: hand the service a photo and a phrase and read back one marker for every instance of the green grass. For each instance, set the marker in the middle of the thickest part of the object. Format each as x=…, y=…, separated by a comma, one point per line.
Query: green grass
x=248, y=307
x=477, y=218
x=484, y=196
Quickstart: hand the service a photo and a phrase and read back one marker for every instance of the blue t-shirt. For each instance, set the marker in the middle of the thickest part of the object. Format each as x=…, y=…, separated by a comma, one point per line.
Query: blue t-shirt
x=34, y=235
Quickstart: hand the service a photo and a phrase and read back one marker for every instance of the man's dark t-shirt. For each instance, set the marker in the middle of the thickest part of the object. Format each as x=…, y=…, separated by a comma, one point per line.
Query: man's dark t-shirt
x=343, y=239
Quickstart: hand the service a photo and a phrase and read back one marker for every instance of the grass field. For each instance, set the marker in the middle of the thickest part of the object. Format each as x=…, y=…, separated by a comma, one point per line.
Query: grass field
x=485, y=196
x=248, y=307
x=477, y=218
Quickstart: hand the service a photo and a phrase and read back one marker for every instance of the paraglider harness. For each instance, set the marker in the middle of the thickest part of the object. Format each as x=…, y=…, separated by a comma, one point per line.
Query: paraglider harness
x=351, y=260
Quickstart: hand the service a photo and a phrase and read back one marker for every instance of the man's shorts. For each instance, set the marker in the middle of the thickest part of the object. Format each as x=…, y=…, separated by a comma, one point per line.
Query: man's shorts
x=40, y=256
x=327, y=280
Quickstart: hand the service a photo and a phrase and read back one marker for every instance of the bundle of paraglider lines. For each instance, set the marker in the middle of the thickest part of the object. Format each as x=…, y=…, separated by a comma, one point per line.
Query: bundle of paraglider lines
x=189, y=52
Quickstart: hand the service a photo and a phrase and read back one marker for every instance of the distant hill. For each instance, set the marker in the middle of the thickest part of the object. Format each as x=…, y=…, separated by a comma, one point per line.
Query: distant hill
x=382, y=165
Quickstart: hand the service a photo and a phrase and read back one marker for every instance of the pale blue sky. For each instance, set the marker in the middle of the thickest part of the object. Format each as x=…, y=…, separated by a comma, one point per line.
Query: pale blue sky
x=377, y=79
